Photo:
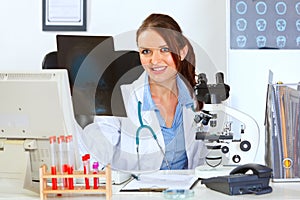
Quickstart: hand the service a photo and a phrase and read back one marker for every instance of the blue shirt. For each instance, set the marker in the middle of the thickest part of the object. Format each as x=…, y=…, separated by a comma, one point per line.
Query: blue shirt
x=174, y=140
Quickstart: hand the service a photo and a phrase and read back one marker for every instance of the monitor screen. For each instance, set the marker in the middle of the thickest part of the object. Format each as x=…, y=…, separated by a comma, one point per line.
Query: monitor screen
x=96, y=72
x=34, y=106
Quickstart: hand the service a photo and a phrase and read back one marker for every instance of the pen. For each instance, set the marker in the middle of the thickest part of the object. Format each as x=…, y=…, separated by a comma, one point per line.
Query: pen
x=135, y=177
x=152, y=189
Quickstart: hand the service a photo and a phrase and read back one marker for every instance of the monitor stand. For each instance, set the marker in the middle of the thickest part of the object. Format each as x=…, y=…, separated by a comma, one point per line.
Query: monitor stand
x=13, y=158
x=15, y=163
x=28, y=183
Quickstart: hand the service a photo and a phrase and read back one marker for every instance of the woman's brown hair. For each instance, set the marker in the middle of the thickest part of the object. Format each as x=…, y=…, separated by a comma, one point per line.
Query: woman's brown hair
x=169, y=29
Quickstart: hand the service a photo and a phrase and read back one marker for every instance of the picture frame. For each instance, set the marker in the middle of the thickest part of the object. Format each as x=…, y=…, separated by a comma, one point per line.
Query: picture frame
x=64, y=15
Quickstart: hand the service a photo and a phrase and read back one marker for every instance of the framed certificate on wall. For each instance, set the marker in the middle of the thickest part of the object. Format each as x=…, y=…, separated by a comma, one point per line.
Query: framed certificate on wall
x=64, y=15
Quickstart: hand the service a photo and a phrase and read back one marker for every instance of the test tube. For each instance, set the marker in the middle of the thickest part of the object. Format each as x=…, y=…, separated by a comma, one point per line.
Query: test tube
x=95, y=171
x=86, y=169
x=63, y=167
x=53, y=160
x=70, y=150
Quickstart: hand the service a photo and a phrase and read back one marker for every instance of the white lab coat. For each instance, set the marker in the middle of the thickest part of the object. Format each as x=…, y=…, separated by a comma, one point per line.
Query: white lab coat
x=113, y=139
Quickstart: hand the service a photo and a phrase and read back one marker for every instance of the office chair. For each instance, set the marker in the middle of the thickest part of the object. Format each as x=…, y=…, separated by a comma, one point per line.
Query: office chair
x=50, y=61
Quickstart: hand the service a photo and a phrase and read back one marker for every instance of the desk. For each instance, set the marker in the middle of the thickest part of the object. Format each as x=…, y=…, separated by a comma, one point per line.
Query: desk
x=12, y=189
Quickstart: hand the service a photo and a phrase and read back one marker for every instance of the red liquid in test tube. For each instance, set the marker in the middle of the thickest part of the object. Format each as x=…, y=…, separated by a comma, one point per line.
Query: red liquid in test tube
x=53, y=160
x=86, y=169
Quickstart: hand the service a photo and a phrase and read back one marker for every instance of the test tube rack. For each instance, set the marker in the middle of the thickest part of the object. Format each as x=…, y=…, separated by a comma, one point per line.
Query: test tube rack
x=103, y=188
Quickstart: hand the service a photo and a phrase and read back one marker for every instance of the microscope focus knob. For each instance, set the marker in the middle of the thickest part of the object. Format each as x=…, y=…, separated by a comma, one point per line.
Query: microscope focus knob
x=236, y=158
x=245, y=145
x=225, y=149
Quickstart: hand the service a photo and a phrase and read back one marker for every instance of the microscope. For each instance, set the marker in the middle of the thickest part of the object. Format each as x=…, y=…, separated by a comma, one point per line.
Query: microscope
x=231, y=136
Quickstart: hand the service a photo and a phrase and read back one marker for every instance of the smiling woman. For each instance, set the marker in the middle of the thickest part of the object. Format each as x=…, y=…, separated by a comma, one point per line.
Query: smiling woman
x=160, y=107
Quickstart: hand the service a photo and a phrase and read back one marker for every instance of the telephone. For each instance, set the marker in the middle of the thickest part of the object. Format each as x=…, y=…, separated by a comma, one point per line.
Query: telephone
x=240, y=181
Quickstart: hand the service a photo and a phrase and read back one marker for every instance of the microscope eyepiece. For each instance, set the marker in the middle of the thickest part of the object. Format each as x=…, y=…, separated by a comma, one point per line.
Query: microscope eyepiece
x=211, y=93
x=202, y=78
x=219, y=78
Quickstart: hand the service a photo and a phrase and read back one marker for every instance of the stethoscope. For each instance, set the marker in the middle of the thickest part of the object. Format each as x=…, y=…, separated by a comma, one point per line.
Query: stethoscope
x=137, y=137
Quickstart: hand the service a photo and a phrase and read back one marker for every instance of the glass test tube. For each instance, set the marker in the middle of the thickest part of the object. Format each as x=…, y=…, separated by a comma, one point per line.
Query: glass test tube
x=63, y=167
x=95, y=171
x=86, y=169
x=70, y=150
x=53, y=160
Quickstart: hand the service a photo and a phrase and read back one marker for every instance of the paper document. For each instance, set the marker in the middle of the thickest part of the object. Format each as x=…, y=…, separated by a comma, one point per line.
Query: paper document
x=160, y=182
x=64, y=11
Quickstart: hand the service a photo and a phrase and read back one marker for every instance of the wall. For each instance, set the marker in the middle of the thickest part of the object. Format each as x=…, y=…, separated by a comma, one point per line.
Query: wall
x=23, y=43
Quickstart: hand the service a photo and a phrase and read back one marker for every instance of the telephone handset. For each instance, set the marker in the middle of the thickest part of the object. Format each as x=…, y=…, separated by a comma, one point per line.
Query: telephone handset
x=239, y=181
x=257, y=169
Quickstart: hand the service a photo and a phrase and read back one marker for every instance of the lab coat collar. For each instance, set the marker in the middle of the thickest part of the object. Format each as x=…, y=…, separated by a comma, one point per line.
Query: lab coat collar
x=142, y=83
x=138, y=87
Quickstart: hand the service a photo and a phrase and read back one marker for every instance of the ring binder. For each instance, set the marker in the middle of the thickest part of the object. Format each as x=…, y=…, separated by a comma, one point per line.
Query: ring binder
x=283, y=131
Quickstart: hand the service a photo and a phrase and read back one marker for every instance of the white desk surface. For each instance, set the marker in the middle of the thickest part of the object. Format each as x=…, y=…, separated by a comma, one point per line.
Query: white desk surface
x=13, y=189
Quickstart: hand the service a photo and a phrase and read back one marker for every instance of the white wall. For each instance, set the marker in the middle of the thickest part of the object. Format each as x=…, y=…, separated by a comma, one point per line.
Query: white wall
x=23, y=44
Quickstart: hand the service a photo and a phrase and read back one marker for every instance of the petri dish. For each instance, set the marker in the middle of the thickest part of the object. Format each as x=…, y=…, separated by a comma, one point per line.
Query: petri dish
x=178, y=194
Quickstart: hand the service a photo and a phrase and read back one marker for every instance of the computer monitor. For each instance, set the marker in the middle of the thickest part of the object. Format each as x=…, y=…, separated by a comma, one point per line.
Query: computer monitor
x=34, y=106
x=96, y=72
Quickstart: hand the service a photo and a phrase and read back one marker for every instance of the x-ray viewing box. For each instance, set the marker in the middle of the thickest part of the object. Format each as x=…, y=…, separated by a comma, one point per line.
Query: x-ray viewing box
x=283, y=131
